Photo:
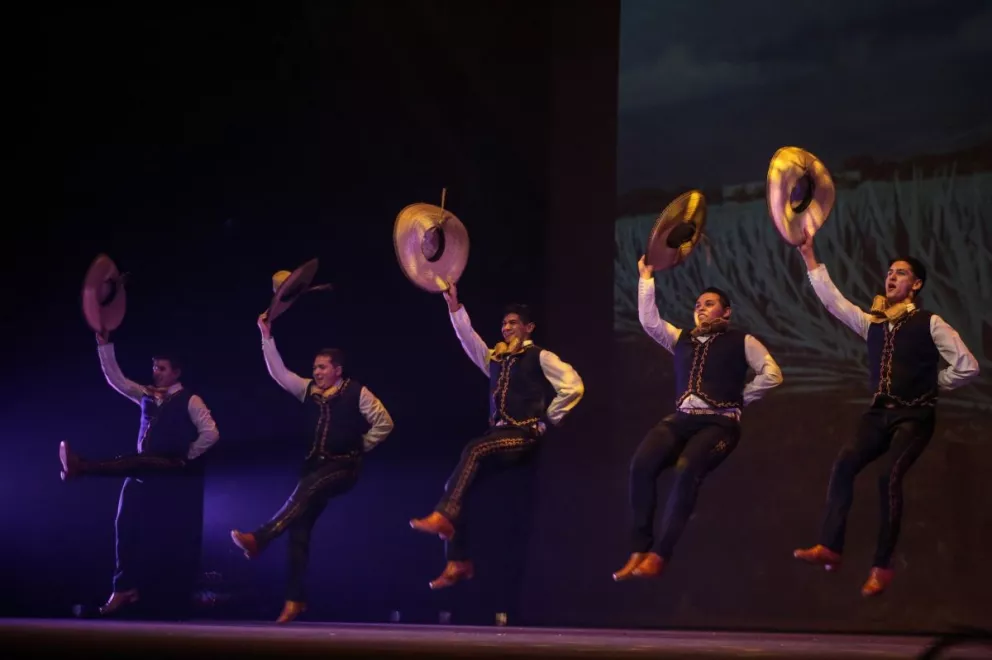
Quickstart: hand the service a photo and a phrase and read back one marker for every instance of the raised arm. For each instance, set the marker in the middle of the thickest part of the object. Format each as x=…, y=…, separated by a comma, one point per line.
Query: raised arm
x=112, y=372
x=205, y=425
x=377, y=416
x=767, y=375
x=658, y=329
x=840, y=307
x=962, y=367
x=473, y=345
x=287, y=380
x=568, y=385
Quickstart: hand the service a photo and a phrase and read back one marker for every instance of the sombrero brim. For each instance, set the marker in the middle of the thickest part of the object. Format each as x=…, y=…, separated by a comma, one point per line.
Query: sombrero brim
x=445, y=264
x=104, y=300
x=794, y=218
x=666, y=247
x=292, y=288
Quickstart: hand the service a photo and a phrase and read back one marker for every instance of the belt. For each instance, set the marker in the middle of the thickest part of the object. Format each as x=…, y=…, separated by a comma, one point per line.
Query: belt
x=732, y=414
x=534, y=427
x=883, y=402
x=503, y=422
x=337, y=457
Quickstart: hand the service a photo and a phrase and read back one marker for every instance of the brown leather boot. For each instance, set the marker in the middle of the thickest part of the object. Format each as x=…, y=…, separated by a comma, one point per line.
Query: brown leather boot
x=70, y=462
x=454, y=572
x=434, y=524
x=878, y=581
x=246, y=541
x=625, y=573
x=651, y=566
x=820, y=555
x=119, y=599
x=291, y=610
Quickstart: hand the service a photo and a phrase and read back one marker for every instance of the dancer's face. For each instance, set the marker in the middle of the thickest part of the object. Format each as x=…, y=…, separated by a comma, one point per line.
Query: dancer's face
x=164, y=374
x=900, y=282
x=514, y=327
x=325, y=372
x=709, y=308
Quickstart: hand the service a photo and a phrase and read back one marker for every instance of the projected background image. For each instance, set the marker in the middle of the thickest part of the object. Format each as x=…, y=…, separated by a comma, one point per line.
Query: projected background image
x=883, y=93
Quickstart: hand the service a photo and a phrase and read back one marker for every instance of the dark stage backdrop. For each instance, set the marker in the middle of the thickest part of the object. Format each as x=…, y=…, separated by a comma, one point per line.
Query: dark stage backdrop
x=206, y=148
x=883, y=93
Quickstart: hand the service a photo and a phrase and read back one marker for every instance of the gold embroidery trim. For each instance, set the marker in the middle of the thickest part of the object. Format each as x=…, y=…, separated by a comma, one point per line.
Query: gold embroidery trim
x=324, y=421
x=499, y=395
x=478, y=452
x=885, y=369
x=700, y=350
x=291, y=514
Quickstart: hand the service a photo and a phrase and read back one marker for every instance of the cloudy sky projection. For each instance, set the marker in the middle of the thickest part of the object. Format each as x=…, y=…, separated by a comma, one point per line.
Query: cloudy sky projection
x=710, y=88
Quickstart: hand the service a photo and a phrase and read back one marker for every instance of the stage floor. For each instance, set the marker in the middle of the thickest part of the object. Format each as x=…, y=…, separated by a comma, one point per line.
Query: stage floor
x=209, y=639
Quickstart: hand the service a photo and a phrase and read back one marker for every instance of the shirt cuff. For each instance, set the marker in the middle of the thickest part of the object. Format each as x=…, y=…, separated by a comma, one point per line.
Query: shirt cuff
x=819, y=273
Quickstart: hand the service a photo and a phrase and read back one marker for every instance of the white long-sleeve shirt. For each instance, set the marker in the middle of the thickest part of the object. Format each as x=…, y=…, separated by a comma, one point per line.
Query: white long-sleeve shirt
x=381, y=423
x=568, y=386
x=962, y=365
x=199, y=414
x=767, y=374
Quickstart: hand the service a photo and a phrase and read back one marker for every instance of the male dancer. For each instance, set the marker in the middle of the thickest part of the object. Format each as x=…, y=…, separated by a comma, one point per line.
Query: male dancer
x=905, y=345
x=519, y=414
x=711, y=364
x=162, y=489
x=344, y=419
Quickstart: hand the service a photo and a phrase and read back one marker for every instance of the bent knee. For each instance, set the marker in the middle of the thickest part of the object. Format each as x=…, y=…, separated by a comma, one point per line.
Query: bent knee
x=644, y=465
x=848, y=459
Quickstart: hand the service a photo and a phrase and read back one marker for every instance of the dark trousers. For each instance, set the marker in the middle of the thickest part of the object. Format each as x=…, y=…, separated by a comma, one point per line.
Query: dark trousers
x=898, y=436
x=321, y=478
x=134, y=465
x=499, y=448
x=159, y=530
x=695, y=445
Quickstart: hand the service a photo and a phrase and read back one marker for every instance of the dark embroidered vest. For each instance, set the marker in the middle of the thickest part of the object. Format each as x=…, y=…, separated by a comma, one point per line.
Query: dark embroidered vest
x=714, y=370
x=903, y=362
x=518, y=389
x=335, y=424
x=166, y=429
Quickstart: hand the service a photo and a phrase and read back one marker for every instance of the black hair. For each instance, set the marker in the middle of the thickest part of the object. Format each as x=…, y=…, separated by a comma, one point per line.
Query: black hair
x=915, y=265
x=724, y=298
x=171, y=358
x=523, y=311
x=335, y=355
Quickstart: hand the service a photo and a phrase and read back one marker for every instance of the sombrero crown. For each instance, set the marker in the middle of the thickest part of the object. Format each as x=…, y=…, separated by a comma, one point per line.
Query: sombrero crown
x=104, y=301
x=677, y=231
x=800, y=193
x=431, y=246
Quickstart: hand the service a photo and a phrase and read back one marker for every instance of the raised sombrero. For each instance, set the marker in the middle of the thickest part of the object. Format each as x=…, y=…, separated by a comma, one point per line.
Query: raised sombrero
x=677, y=231
x=104, y=301
x=288, y=286
x=800, y=193
x=431, y=246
